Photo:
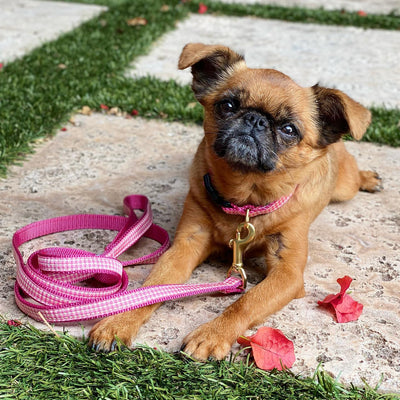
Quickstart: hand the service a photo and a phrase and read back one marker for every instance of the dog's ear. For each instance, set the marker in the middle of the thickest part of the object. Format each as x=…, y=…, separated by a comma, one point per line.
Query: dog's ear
x=210, y=64
x=338, y=114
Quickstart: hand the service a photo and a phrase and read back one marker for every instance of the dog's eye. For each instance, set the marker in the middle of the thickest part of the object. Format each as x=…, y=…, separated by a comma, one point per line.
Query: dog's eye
x=288, y=131
x=228, y=106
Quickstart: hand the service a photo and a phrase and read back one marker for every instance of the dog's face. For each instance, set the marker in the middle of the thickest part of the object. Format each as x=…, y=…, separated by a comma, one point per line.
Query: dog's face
x=260, y=120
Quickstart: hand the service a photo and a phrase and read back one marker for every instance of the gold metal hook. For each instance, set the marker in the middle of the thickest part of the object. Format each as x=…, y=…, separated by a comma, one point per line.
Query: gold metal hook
x=238, y=245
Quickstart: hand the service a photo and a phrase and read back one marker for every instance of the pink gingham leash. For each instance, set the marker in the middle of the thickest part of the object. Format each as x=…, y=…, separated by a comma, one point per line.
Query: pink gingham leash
x=50, y=281
x=233, y=209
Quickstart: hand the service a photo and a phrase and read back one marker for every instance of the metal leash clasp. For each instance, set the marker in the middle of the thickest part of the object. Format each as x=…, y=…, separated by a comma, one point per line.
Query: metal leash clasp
x=238, y=245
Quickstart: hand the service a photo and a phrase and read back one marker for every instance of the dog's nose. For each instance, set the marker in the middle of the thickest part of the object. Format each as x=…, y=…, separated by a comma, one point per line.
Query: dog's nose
x=256, y=120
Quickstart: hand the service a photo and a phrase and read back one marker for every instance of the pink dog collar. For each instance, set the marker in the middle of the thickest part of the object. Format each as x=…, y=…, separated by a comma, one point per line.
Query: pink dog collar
x=233, y=209
x=48, y=282
x=257, y=210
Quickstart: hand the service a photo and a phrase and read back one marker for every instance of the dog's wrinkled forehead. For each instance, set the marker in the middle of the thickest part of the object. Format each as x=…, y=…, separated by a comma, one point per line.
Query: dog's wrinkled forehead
x=266, y=90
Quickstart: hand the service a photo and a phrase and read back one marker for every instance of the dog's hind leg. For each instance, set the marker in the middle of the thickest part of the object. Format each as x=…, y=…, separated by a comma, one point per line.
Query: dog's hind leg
x=370, y=181
x=350, y=179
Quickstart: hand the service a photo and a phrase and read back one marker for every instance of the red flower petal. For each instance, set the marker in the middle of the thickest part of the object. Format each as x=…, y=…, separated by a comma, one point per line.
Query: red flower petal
x=1, y=66
x=134, y=112
x=271, y=349
x=13, y=322
x=329, y=299
x=346, y=309
x=362, y=13
x=104, y=107
x=344, y=283
x=202, y=8
x=244, y=341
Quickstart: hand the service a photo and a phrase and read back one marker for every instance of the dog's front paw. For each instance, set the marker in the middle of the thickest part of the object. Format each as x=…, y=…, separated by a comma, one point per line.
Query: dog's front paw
x=104, y=335
x=208, y=341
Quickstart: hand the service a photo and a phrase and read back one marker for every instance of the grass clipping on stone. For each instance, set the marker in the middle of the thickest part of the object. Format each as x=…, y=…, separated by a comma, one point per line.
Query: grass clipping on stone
x=40, y=365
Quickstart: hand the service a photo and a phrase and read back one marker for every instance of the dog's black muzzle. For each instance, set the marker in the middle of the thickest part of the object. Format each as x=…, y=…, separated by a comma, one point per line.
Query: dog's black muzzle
x=246, y=143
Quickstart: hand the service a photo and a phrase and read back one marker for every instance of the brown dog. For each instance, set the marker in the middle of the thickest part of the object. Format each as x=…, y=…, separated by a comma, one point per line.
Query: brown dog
x=265, y=137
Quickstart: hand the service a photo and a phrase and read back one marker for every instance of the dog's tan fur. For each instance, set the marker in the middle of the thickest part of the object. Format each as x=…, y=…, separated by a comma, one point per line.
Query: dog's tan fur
x=317, y=173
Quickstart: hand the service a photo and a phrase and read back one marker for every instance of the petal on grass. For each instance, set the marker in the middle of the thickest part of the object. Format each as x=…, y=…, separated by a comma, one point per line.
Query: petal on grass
x=202, y=8
x=14, y=322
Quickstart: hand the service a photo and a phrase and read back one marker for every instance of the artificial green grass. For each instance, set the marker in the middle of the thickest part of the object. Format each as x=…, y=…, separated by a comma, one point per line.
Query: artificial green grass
x=385, y=127
x=37, y=365
x=304, y=15
x=37, y=95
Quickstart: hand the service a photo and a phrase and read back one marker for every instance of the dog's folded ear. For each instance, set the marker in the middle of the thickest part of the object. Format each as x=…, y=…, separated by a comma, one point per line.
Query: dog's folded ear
x=210, y=64
x=338, y=115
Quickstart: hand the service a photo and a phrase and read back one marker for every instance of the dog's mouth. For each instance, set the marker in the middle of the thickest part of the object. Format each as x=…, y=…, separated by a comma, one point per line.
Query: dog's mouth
x=247, y=152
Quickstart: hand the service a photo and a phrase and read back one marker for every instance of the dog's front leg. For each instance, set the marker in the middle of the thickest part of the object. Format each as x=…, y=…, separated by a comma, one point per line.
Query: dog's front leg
x=286, y=258
x=191, y=246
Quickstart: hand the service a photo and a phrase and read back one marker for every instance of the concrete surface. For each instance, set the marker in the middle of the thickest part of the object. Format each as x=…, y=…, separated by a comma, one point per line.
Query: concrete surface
x=98, y=160
x=369, y=6
x=90, y=167
x=26, y=24
x=363, y=63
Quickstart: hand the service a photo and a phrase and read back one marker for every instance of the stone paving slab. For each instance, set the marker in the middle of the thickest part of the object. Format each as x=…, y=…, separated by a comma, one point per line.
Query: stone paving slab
x=26, y=24
x=92, y=165
x=363, y=63
x=369, y=6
